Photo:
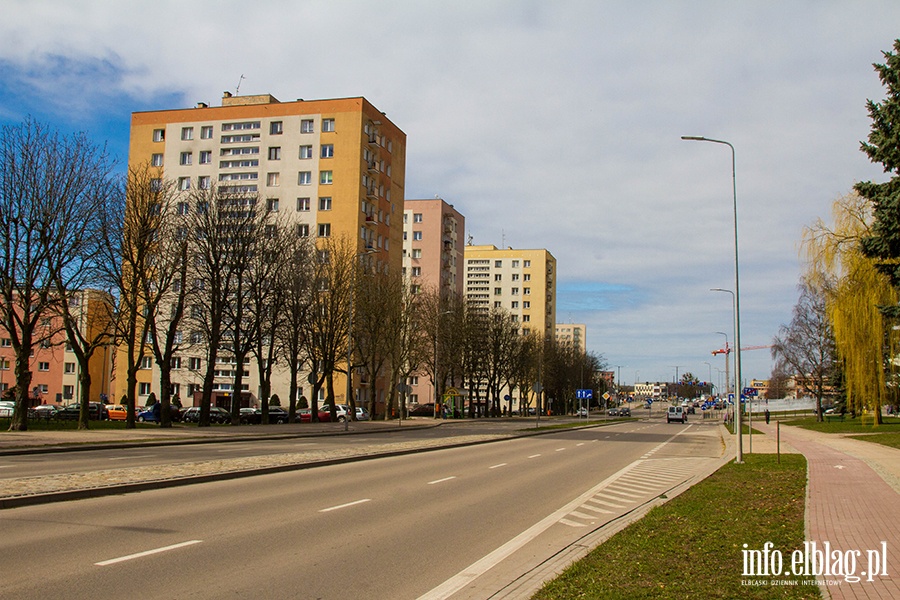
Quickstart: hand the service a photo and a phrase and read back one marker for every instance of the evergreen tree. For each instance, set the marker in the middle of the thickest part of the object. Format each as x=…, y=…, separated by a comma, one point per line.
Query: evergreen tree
x=883, y=242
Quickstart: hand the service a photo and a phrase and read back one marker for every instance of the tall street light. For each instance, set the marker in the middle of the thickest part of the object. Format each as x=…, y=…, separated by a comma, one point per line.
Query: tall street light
x=739, y=458
x=727, y=352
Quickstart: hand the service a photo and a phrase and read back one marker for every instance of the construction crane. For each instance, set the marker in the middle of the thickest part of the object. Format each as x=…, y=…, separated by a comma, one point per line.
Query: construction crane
x=728, y=349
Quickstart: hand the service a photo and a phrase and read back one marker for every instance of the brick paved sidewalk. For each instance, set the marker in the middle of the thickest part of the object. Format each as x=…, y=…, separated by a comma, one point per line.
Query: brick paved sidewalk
x=852, y=508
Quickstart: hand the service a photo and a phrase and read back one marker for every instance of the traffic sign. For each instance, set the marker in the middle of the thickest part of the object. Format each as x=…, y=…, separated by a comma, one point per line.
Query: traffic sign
x=584, y=394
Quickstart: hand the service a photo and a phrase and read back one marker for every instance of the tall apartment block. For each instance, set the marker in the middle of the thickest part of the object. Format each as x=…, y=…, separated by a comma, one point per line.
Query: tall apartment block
x=337, y=167
x=433, y=233
x=521, y=281
x=573, y=335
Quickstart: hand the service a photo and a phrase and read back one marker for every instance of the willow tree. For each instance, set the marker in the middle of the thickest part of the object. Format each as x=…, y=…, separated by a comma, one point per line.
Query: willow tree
x=855, y=289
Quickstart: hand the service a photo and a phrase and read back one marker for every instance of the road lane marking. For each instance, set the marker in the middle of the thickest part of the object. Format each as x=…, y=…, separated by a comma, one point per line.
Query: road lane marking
x=340, y=506
x=498, y=466
x=113, y=561
x=479, y=567
x=534, y=456
x=560, y=449
x=441, y=480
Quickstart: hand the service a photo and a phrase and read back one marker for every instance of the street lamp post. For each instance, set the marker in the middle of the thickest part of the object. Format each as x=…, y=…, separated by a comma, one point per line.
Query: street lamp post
x=727, y=352
x=739, y=458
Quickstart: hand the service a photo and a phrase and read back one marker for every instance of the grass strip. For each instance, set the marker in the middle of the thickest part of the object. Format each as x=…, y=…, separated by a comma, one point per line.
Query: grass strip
x=887, y=439
x=848, y=425
x=692, y=546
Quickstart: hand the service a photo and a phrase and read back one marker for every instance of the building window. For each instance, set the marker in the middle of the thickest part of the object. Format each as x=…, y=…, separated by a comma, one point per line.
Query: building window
x=187, y=158
x=417, y=271
x=306, y=126
x=515, y=276
x=498, y=277
x=272, y=205
x=303, y=230
x=276, y=128
x=526, y=291
x=203, y=182
x=526, y=304
x=514, y=304
x=327, y=124
x=417, y=217
x=194, y=364
x=325, y=177
x=325, y=203
x=205, y=157
x=305, y=178
x=157, y=160
x=324, y=229
x=526, y=318
x=275, y=153
x=187, y=133
x=176, y=362
x=143, y=389
x=206, y=132
x=43, y=366
x=6, y=343
x=327, y=150
x=306, y=152
x=69, y=368
x=515, y=291
x=417, y=236
x=272, y=179
x=147, y=362
x=498, y=263
x=302, y=204
x=527, y=277
x=159, y=135
x=184, y=183
x=527, y=264
x=417, y=253
x=498, y=291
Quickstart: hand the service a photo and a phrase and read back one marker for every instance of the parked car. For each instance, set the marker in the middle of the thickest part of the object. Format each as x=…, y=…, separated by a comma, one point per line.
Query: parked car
x=676, y=413
x=251, y=416
x=96, y=412
x=422, y=410
x=362, y=414
x=217, y=414
x=581, y=412
x=277, y=415
x=150, y=414
x=117, y=412
x=613, y=412
x=7, y=408
x=624, y=412
x=43, y=411
x=306, y=415
x=342, y=410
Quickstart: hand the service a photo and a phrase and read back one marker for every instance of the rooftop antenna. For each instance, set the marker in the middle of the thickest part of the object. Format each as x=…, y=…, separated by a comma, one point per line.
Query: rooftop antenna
x=237, y=90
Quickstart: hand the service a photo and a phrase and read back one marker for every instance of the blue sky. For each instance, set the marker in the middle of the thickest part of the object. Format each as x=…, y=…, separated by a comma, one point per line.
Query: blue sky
x=553, y=125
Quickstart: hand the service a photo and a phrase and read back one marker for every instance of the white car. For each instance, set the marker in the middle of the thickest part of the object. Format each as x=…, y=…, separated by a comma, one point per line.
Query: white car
x=7, y=408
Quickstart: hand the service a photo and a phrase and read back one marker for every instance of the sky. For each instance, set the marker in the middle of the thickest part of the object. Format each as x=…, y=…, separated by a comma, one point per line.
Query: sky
x=550, y=125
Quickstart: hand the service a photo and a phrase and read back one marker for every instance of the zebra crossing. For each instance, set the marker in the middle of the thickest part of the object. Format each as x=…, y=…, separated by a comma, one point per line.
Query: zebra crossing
x=643, y=481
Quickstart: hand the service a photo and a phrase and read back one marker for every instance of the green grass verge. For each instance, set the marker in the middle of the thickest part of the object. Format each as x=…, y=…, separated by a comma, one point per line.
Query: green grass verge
x=848, y=425
x=888, y=439
x=691, y=547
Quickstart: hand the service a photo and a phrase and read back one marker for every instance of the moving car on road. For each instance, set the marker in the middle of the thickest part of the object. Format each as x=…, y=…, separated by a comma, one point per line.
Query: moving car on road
x=676, y=413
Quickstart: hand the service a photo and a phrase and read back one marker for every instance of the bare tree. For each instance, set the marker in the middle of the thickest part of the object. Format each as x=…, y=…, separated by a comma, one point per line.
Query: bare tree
x=132, y=223
x=223, y=225
x=806, y=347
x=296, y=310
x=375, y=317
x=49, y=187
x=327, y=330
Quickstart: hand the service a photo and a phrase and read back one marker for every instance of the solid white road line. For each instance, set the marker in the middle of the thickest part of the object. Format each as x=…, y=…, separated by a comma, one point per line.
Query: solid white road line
x=113, y=561
x=497, y=466
x=340, y=506
x=534, y=456
x=479, y=567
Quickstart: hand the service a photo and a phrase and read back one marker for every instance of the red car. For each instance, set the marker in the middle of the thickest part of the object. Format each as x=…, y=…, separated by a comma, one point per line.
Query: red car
x=306, y=415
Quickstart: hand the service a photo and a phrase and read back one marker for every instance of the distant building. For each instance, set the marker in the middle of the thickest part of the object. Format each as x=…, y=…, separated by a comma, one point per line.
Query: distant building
x=573, y=335
x=433, y=234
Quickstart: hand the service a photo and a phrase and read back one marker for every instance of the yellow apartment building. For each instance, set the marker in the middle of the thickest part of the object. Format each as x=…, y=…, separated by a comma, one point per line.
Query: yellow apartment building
x=336, y=166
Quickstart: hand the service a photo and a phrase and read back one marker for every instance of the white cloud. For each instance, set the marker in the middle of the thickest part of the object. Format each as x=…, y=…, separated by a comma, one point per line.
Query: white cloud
x=550, y=125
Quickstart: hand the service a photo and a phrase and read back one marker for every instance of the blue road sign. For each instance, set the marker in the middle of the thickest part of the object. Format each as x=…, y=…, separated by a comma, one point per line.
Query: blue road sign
x=584, y=394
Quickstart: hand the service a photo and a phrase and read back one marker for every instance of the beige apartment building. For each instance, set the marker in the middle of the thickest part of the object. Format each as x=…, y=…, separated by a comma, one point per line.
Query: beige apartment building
x=521, y=281
x=572, y=335
x=337, y=167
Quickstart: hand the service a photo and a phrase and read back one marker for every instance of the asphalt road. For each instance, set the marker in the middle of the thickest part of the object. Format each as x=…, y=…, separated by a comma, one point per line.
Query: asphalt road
x=472, y=522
